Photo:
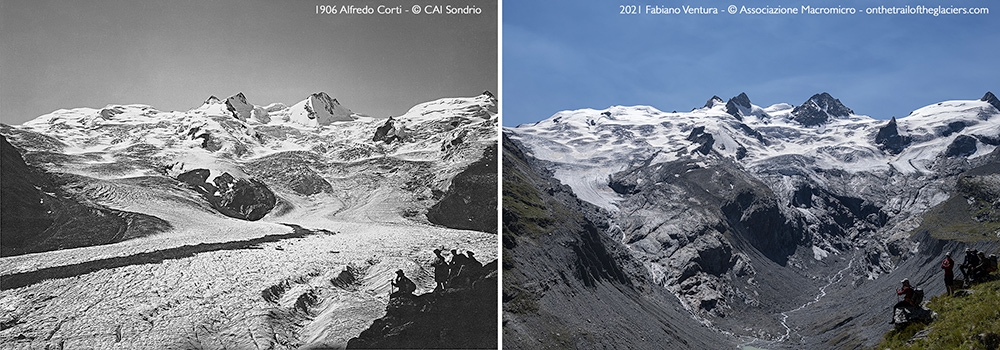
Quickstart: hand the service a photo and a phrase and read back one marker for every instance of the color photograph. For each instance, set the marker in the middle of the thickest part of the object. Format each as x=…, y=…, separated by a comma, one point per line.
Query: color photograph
x=758, y=175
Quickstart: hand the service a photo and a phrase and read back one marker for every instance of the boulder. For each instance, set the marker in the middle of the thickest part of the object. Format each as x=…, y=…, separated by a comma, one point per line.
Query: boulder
x=905, y=315
x=246, y=199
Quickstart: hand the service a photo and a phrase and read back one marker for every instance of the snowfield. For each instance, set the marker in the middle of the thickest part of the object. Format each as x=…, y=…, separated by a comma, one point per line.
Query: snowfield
x=586, y=146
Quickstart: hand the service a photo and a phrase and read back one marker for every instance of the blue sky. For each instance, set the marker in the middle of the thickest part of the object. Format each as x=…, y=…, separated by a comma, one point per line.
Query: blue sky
x=174, y=54
x=560, y=55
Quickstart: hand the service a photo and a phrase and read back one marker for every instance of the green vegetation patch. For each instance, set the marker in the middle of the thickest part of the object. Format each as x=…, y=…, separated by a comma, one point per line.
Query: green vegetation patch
x=524, y=211
x=965, y=322
x=955, y=219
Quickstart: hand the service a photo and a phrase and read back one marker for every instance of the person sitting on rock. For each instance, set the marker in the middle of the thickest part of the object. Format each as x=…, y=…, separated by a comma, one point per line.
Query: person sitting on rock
x=907, y=293
x=405, y=287
x=981, y=270
x=440, y=270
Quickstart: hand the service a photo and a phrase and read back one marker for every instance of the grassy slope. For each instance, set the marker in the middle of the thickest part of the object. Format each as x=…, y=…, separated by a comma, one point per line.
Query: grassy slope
x=972, y=214
x=960, y=323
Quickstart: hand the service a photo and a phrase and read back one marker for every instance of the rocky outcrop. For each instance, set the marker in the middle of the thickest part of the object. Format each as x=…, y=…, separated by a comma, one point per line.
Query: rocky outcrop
x=992, y=100
x=734, y=104
x=889, y=139
x=456, y=318
x=386, y=132
x=713, y=101
x=703, y=139
x=819, y=109
x=470, y=202
x=247, y=199
x=238, y=106
x=905, y=315
x=962, y=146
x=295, y=171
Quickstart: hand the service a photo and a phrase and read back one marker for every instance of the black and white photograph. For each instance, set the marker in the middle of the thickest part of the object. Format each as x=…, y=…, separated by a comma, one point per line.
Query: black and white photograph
x=249, y=174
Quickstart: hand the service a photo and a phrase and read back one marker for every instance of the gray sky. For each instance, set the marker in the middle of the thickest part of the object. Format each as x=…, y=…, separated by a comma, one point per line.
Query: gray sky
x=175, y=54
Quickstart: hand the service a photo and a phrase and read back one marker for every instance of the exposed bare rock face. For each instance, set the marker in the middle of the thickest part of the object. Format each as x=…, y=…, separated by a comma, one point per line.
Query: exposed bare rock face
x=567, y=283
x=247, y=199
x=470, y=202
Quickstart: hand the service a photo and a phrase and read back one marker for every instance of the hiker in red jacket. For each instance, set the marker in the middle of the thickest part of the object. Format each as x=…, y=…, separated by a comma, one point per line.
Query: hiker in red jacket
x=949, y=275
x=907, y=293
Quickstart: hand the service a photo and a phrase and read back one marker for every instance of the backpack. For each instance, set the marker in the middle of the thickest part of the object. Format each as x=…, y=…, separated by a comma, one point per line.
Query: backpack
x=918, y=296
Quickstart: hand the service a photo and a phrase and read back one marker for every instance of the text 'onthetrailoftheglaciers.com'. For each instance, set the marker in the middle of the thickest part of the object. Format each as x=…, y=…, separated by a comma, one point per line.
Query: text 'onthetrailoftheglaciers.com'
x=801, y=10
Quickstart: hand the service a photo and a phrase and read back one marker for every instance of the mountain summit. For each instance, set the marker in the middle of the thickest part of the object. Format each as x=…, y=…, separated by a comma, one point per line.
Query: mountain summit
x=820, y=109
x=319, y=109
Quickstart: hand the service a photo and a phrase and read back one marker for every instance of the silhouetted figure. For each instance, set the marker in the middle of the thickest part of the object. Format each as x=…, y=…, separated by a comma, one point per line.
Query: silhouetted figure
x=458, y=263
x=472, y=261
x=907, y=293
x=440, y=270
x=405, y=286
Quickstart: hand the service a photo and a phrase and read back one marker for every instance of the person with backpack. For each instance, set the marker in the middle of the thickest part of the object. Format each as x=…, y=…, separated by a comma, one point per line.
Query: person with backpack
x=909, y=298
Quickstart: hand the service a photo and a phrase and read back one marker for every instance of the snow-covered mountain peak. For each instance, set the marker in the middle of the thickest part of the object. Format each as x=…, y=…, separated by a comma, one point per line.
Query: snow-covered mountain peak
x=715, y=100
x=991, y=99
x=238, y=106
x=212, y=100
x=319, y=109
x=820, y=109
x=740, y=107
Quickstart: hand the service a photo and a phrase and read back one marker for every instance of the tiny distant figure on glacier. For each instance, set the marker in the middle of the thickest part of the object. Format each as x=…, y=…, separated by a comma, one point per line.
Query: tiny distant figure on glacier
x=440, y=271
x=405, y=287
x=949, y=275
